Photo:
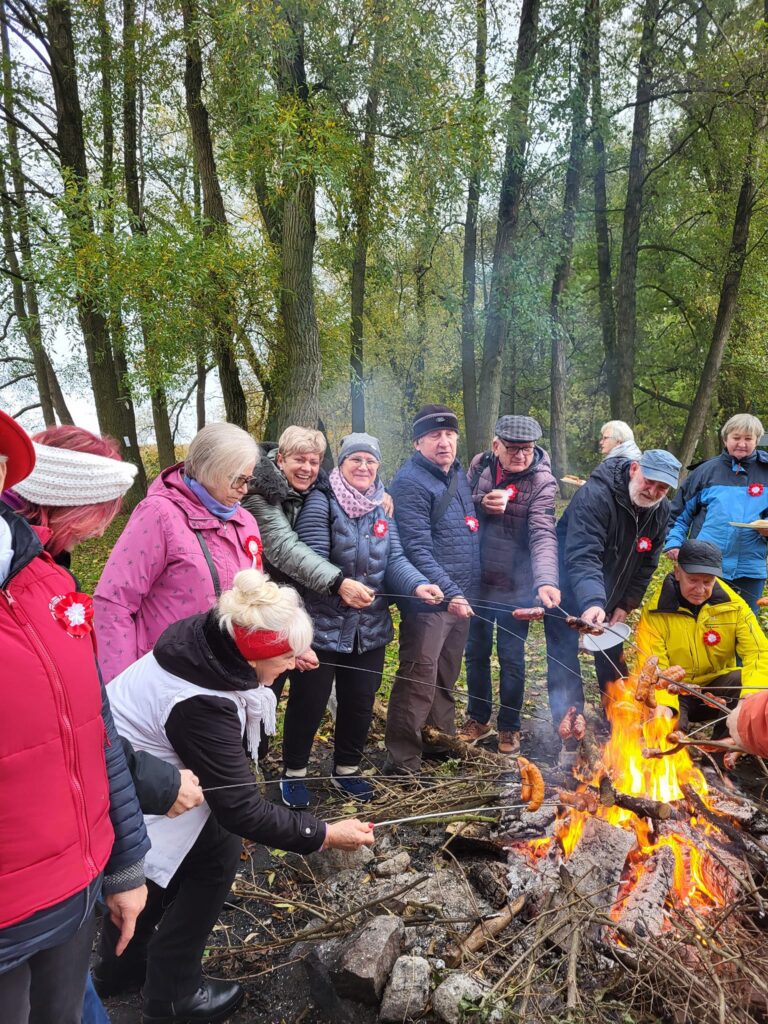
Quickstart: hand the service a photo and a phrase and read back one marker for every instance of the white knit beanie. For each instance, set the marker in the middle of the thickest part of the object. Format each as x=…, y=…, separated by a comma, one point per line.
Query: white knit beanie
x=63, y=477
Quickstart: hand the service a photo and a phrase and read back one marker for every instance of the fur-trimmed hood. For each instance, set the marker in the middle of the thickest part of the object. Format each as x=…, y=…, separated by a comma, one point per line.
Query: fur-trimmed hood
x=270, y=483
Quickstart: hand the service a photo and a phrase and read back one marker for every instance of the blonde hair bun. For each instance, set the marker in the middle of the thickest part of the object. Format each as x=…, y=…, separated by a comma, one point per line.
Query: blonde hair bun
x=256, y=603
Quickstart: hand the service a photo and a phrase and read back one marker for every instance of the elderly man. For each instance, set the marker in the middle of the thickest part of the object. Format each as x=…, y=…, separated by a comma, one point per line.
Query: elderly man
x=610, y=541
x=698, y=622
x=438, y=527
x=514, y=493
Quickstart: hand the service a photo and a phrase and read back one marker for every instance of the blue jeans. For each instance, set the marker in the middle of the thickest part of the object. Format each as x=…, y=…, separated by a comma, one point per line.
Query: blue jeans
x=748, y=589
x=93, y=1008
x=510, y=646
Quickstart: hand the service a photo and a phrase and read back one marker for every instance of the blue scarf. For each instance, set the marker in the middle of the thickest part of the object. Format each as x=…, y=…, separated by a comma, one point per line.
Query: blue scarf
x=224, y=512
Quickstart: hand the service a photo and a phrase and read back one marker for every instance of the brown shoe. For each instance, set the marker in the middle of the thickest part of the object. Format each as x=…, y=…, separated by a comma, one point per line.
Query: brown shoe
x=509, y=742
x=472, y=732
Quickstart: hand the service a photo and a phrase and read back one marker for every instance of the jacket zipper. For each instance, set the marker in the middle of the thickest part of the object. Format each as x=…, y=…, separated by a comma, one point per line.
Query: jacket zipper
x=68, y=731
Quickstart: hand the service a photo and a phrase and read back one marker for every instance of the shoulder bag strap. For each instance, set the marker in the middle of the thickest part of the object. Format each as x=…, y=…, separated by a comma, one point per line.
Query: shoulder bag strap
x=441, y=507
x=209, y=560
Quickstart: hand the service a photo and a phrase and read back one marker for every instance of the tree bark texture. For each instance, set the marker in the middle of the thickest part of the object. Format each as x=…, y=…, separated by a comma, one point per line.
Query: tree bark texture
x=215, y=217
x=602, y=233
x=729, y=292
x=499, y=306
x=113, y=409
x=626, y=282
x=558, y=372
x=475, y=442
x=362, y=197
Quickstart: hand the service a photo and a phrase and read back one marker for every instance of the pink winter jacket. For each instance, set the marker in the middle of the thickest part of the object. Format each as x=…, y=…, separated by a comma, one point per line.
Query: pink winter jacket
x=157, y=573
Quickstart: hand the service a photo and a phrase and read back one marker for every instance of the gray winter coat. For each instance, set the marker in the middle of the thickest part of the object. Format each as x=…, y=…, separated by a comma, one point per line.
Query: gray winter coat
x=276, y=505
x=518, y=550
x=358, y=550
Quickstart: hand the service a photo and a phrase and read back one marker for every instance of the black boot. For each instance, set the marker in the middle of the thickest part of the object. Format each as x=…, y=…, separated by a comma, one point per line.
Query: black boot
x=213, y=1001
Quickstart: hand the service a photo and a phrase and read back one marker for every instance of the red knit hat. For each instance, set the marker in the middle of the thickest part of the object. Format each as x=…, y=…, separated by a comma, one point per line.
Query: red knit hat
x=17, y=445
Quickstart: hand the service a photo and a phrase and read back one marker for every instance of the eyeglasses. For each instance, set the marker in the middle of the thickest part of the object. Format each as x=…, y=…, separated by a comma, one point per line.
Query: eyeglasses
x=239, y=482
x=518, y=449
x=368, y=463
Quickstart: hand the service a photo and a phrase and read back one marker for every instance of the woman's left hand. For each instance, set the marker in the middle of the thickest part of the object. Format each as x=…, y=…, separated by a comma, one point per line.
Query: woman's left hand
x=307, y=661
x=388, y=505
x=429, y=592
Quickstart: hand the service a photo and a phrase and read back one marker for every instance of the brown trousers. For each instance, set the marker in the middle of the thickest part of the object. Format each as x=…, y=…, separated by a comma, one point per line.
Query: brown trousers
x=431, y=648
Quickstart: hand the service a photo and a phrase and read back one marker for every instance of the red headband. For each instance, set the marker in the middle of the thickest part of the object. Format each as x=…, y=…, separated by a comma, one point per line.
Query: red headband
x=258, y=644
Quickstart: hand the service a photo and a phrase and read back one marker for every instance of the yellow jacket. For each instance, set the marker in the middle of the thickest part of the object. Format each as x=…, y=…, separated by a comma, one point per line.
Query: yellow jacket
x=706, y=646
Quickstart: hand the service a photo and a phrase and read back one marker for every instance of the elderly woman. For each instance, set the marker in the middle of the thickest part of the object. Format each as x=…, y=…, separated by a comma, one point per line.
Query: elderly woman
x=617, y=441
x=70, y=818
x=732, y=487
x=181, y=547
x=345, y=522
x=191, y=701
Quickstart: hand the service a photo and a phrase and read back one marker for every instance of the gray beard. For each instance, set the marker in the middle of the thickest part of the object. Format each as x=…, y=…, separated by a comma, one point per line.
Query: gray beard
x=639, y=501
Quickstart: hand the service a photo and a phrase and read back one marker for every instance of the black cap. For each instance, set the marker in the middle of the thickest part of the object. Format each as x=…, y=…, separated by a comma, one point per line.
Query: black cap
x=433, y=417
x=700, y=556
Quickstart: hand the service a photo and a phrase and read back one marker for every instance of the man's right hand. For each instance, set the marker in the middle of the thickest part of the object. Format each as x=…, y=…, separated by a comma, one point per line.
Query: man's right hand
x=190, y=794
x=355, y=594
x=595, y=616
x=672, y=553
x=494, y=502
x=348, y=835
x=461, y=608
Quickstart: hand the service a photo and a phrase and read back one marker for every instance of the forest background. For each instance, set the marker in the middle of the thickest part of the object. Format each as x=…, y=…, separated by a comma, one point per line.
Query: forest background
x=332, y=211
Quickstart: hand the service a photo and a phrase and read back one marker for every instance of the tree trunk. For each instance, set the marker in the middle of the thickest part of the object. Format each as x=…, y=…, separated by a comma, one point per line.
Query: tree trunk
x=729, y=292
x=202, y=373
x=602, y=233
x=215, y=217
x=557, y=427
x=475, y=442
x=166, y=452
x=362, y=195
x=113, y=409
x=626, y=294
x=498, y=317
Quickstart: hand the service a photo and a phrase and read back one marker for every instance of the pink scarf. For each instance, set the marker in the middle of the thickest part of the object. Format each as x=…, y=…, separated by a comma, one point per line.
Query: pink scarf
x=354, y=503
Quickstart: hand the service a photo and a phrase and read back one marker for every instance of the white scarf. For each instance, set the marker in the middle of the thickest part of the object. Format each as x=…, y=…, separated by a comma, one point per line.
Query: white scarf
x=260, y=708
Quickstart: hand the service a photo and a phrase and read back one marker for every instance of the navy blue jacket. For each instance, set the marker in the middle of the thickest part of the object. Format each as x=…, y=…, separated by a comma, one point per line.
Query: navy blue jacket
x=609, y=548
x=718, y=492
x=376, y=561
x=449, y=554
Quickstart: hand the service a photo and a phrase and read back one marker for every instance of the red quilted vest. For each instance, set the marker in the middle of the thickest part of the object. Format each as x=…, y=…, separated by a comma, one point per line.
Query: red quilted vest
x=55, y=831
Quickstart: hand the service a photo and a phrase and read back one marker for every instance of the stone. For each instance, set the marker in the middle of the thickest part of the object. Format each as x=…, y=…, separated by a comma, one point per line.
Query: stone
x=407, y=992
x=393, y=865
x=456, y=989
x=317, y=961
x=367, y=960
x=329, y=863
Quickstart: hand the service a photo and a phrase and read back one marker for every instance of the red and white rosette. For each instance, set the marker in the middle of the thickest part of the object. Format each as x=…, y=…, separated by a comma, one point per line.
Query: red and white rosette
x=253, y=547
x=380, y=528
x=511, y=492
x=473, y=523
x=74, y=612
x=711, y=638
x=644, y=545
x=755, y=490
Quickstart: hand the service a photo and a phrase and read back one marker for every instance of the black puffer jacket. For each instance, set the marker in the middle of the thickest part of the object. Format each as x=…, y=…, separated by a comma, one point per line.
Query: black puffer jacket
x=376, y=561
x=609, y=548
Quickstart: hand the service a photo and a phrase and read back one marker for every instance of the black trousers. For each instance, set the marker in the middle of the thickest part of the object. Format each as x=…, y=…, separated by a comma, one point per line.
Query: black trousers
x=277, y=688
x=49, y=987
x=358, y=677
x=172, y=931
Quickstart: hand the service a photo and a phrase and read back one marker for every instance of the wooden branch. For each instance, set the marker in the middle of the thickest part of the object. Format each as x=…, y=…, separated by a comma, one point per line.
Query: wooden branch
x=434, y=738
x=27, y=408
x=642, y=806
x=663, y=398
x=741, y=837
x=484, y=933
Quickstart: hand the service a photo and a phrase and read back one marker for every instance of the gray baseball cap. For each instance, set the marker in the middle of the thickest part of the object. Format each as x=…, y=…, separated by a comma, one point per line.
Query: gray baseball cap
x=661, y=466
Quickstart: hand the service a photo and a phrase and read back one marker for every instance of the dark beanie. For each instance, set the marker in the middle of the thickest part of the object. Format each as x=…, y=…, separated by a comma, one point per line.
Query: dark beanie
x=434, y=417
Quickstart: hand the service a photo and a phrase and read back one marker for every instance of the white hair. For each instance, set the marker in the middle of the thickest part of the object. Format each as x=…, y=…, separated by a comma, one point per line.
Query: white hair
x=742, y=423
x=618, y=430
x=218, y=454
x=256, y=603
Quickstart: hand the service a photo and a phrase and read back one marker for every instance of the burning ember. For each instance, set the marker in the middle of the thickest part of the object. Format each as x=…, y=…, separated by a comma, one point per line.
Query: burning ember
x=672, y=857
